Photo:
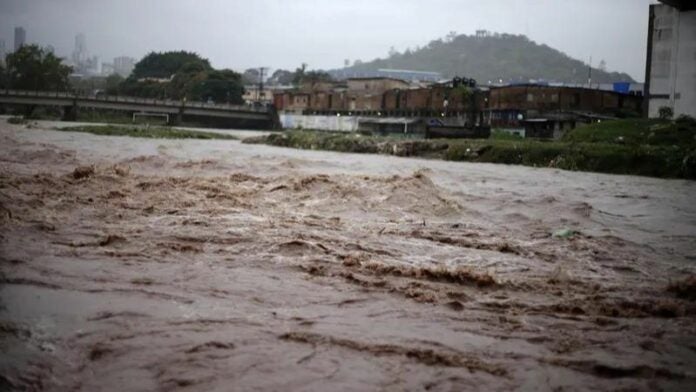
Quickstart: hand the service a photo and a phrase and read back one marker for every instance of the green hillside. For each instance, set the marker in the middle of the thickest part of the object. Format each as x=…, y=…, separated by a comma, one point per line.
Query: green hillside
x=513, y=58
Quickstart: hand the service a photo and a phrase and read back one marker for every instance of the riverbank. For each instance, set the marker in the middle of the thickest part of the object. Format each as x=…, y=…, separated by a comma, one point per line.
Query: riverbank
x=145, y=132
x=668, y=153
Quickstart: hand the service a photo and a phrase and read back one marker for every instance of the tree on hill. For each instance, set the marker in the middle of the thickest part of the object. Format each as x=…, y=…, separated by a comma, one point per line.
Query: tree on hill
x=302, y=76
x=32, y=68
x=166, y=64
x=281, y=76
x=299, y=75
x=186, y=75
x=251, y=76
x=513, y=58
x=315, y=77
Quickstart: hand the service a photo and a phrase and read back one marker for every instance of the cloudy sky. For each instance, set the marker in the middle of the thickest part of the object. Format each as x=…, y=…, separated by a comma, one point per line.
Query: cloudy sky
x=240, y=34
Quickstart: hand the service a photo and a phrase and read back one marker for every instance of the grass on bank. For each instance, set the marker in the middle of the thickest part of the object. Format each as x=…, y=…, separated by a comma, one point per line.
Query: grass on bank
x=644, y=150
x=147, y=132
x=637, y=131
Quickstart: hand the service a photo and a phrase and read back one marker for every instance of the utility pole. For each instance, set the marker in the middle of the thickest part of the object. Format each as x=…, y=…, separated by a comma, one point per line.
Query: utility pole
x=589, y=74
x=258, y=93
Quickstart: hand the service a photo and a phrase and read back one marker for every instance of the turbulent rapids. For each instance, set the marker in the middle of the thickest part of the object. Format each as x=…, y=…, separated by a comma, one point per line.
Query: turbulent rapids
x=131, y=264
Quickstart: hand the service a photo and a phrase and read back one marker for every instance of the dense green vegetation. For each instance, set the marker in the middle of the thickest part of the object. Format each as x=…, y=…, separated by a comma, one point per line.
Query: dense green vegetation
x=165, y=64
x=499, y=56
x=301, y=76
x=180, y=75
x=281, y=76
x=593, y=148
x=635, y=132
x=148, y=132
x=33, y=68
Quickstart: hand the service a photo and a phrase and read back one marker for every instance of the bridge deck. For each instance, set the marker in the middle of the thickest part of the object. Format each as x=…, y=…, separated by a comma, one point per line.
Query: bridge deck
x=50, y=98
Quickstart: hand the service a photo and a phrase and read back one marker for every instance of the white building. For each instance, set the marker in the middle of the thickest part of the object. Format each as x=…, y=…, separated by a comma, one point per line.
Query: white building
x=79, y=54
x=670, y=77
x=124, y=65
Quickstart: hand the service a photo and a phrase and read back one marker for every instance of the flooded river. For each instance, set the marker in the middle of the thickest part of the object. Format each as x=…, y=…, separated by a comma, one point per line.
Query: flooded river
x=141, y=264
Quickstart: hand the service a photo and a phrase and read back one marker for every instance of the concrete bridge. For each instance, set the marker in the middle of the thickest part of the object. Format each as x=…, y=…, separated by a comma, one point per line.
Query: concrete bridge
x=175, y=110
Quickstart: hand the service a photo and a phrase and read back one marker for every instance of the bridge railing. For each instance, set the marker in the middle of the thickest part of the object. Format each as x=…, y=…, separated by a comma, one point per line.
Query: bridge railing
x=136, y=100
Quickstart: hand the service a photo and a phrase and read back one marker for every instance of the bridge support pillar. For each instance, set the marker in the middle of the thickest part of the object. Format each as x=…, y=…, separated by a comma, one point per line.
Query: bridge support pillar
x=29, y=110
x=176, y=119
x=70, y=113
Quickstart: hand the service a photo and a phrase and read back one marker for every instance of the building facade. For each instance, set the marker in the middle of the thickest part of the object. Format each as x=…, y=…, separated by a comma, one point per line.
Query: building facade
x=514, y=106
x=123, y=65
x=253, y=94
x=670, y=79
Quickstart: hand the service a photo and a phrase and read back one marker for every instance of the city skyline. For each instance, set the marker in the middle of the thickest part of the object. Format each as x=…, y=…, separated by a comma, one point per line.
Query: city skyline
x=82, y=60
x=241, y=35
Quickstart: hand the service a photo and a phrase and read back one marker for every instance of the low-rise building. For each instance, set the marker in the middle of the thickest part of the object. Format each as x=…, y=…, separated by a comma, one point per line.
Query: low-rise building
x=509, y=106
x=292, y=101
x=253, y=94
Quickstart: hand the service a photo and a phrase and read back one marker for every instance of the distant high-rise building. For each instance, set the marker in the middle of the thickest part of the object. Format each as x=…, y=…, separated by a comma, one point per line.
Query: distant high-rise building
x=20, y=38
x=93, y=65
x=83, y=64
x=124, y=65
x=79, y=54
x=3, y=52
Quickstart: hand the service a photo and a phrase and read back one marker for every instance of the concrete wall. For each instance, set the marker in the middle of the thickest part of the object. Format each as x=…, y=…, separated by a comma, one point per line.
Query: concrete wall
x=672, y=60
x=326, y=123
x=343, y=123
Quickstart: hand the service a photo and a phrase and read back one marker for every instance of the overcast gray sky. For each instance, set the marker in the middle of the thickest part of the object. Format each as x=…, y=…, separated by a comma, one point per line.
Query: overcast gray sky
x=239, y=34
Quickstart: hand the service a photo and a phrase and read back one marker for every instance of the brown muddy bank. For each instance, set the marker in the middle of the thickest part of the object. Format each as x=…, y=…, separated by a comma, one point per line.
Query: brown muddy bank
x=168, y=265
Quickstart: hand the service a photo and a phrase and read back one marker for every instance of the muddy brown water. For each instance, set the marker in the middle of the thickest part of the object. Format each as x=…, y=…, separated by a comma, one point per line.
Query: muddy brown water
x=215, y=265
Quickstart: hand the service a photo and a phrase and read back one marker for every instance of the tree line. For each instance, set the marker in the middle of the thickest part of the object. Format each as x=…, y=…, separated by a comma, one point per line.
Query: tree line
x=177, y=75
x=169, y=75
x=33, y=68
